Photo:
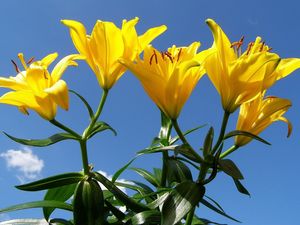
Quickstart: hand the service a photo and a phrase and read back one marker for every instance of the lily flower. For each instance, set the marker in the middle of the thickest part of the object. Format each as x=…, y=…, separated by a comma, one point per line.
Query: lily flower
x=240, y=76
x=168, y=77
x=107, y=44
x=258, y=114
x=37, y=89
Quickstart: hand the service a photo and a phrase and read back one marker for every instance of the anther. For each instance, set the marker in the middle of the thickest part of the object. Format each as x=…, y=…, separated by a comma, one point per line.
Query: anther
x=169, y=55
x=162, y=55
x=16, y=66
x=262, y=46
x=250, y=45
x=239, y=43
x=179, y=53
x=30, y=60
x=155, y=56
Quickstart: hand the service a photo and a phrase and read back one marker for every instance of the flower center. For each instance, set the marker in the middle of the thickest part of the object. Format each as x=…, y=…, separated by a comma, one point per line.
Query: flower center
x=166, y=55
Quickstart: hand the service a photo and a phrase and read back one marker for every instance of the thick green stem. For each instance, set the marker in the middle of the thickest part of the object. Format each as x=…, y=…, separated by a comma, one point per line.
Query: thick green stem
x=222, y=131
x=87, y=131
x=84, y=157
x=190, y=216
x=229, y=151
x=63, y=127
x=182, y=138
x=164, y=172
x=203, y=172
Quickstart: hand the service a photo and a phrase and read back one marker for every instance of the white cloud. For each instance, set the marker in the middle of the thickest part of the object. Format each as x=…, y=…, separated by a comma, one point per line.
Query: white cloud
x=25, y=222
x=25, y=162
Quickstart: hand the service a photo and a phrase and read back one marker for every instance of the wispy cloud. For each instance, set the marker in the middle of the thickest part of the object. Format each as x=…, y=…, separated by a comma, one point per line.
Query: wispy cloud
x=28, y=165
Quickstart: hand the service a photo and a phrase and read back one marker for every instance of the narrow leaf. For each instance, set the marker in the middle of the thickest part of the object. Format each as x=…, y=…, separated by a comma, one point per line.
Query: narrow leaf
x=147, y=175
x=89, y=108
x=61, y=194
x=146, y=217
x=38, y=204
x=59, y=221
x=101, y=126
x=130, y=203
x=208, y=142
x=43, y=142
x=159, y=201
x=120, y=171
x=212, y=207
x=181, y=200
x=177, y=171
x=52, y=182
x=247, y=134
x=229, y=167
x=175, y=139
x=240, y=187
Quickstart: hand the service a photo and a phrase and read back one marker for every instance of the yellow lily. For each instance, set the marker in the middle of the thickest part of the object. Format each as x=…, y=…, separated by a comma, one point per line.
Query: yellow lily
x=107, y=43
x=258, y=114
x=240, y=77
x=168, y=77
x=35, y=88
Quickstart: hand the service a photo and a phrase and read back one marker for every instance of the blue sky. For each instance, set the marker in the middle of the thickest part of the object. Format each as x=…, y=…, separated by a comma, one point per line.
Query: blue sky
x=271, y=172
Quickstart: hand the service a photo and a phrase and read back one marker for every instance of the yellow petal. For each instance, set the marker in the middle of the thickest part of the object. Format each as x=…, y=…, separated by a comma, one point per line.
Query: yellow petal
x=287, y=66
x=38, y=79
x=59, y=94
x=78, y=35
x=46, y=61
x=62, y=65
x=150, y=35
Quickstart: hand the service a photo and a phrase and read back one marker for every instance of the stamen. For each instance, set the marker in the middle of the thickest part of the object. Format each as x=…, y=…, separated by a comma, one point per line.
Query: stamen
x=269, y=49
x=238, y=44
x=16, y=66
x=30, y=60
x=162, y=55
x=155, y=56
x=262, y=46
x=169, y=55
x=179, y=53
x=250, y=45
x=45, y=75
x=21, y=57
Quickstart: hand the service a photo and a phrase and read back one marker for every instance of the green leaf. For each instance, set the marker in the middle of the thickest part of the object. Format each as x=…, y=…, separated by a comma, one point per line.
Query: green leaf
x=38, y=204
x=43, y=142
x=120, y=171
x=229, y=167
x=99, y=127
x=115, y=211
x=52, y=182
x=175, y=139
x=212, y=207
x=215, y=202
x=159, y=201
x=58, y=221
x=240, y=187
x=208, y=142
x=147, y=175
x=130, y=203
x=61, y=194
x=156, y=149
x=202, y=221
x=166, y=126
x=185, y=150
x=247, y=134
x=181, y=200
x=89, y=108
x=177, y=171
x=146, y=217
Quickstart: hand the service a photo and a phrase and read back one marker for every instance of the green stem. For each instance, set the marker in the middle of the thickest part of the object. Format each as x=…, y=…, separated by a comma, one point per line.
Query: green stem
x=164, y=172
x=190, y=216
x=84, y=157
x=63, y=127
x=203, y=172
x=229, y=151
x=222, y=131
x=182, y=138
x=87, y=131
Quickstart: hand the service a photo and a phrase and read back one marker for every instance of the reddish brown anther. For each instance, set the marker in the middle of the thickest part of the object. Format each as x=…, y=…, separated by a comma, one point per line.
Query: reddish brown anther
x=155, y=56
x=179, y=53
x=262, y=47
x=250, y=45
x=16, y=66
x=169, y=55
x=30, y=60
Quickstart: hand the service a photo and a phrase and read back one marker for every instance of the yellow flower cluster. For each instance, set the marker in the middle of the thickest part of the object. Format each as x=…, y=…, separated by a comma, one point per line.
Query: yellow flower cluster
x=168, y=77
